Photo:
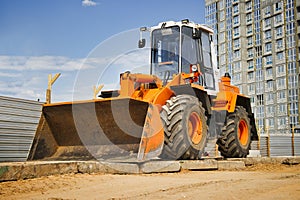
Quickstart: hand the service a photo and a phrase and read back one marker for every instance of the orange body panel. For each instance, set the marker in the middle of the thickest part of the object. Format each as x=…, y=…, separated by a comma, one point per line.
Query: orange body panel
x=227, y=96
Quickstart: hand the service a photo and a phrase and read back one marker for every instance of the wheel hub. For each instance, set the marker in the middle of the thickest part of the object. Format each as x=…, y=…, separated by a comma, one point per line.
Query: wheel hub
x=195, y=128
x=243, y=132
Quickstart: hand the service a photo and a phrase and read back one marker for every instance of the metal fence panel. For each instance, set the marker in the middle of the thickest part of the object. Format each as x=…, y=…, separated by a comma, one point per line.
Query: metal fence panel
x=19, y=119
x=280, y=145
x=297, y=146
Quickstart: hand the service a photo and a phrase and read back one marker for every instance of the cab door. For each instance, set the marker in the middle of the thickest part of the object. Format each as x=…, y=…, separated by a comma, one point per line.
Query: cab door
x=206, y=65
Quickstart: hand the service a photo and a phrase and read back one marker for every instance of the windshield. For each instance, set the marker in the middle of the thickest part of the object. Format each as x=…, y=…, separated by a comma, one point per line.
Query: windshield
x=165, y=52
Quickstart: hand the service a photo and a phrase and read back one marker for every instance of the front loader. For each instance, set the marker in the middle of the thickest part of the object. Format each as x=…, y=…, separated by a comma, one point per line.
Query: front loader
x=168, y=114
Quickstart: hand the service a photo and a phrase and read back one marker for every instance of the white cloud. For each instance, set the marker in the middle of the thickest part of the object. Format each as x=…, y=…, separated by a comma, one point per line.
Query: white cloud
x=27, y=77
x=88, y=3
x=11, y=75
x=21, y=63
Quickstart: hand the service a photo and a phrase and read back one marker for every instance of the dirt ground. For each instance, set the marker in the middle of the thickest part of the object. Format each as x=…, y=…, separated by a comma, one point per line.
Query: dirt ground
x=258, y=182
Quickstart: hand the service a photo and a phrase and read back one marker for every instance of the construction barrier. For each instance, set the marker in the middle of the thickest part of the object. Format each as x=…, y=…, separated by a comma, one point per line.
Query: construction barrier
x=19, y=119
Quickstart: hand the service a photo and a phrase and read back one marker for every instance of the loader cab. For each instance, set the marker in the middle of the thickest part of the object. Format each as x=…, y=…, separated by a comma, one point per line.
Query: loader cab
x=176, y=46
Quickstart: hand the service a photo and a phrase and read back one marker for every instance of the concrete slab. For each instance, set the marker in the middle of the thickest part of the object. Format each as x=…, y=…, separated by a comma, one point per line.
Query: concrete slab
x=119, y=168
x=34, y=169
x=160, y=166
x=230, y=165
x=208, y=164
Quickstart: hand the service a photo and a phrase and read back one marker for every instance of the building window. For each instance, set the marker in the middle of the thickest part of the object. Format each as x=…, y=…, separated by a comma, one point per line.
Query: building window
x=236, y=31
x=269, y=71
x=260, y=100
x=222, y=37
x=279, y=31
x=278, y=6
x=257, y=39
x=250, y=64
x=237, y=54
x=270, y=97
x=270, y=110
x=236, y=20
x=291, y=55
x=268, y=47
x=290, y=41
x=280, y=69
x=258, y=51
x=270, y=122
x=270, y=85
x=250, y=41
x=269, y=60
x=292, y=68
x=281, y=83
x=294, y=108
x=236, y=43
x=267, y=10
x=237, y=77
x=268, y=23
x=259, y=75
x=281, y=121
x=249, y=6
x=279, y=56
x=237, y=66
x=281, y=94
x=249, y=29
x=293, y=95
x=251, y=88
x=282, y=108
x=293, y=81
x=222, y=15
x=279, y=44
x=250, y=76
x=222, y=48
x=221, y=26
x=258, y=63
x=259, y=87
x=278, y=19
x=268, y=35
x=236, y=9
x=250, y=53
x=221, y=4
x=249, y=17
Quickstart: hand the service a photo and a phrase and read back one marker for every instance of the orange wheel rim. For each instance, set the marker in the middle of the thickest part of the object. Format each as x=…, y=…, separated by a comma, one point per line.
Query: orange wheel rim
x=243, y=132
x=195, y=128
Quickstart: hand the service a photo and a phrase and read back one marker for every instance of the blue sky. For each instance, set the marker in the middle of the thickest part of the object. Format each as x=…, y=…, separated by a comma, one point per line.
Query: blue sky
x=38, y=37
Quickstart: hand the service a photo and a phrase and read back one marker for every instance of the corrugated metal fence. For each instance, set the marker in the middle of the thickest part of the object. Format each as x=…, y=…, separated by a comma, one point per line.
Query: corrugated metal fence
x=18, y=122
x=278, y=145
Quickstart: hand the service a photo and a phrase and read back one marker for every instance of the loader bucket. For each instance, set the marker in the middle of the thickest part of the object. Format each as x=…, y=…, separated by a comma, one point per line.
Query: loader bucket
x=99, y=129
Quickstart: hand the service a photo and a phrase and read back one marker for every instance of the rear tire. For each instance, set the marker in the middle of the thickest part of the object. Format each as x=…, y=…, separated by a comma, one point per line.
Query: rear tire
x=185, y=128
x=235, y=140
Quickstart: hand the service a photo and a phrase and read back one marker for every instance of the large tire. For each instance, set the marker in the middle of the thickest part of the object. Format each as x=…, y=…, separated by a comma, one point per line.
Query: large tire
x=235, y=140
x=185, y=128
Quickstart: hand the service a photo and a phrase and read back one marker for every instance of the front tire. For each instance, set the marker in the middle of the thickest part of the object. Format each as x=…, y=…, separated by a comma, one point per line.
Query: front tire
x=235, y=140
x=185, y=128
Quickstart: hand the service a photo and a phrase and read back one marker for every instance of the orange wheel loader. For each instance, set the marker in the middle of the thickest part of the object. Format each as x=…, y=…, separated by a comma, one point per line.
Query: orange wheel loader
x=169, y=114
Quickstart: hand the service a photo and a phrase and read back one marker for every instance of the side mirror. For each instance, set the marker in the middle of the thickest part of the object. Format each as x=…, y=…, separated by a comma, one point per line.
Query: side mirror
x=196, y=34
x=142, y=43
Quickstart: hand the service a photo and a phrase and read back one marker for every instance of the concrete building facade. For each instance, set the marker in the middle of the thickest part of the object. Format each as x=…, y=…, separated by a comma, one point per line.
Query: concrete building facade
x=258, y=43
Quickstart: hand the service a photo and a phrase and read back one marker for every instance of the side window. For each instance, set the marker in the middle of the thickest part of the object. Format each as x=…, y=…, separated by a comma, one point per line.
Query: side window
x=189, y=50
x=207, y=61
x=206, y=50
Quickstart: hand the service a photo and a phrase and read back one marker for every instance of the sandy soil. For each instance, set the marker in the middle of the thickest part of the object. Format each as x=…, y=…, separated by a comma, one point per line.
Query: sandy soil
x=258, y=182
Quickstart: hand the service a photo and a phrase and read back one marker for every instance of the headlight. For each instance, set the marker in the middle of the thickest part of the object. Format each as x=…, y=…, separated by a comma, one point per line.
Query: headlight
x=194, y=68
